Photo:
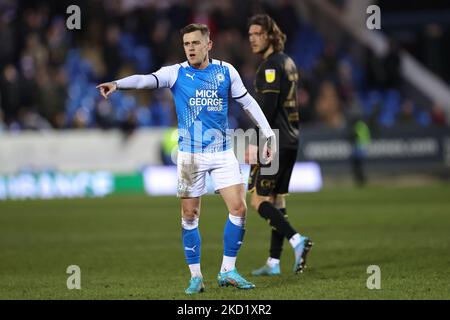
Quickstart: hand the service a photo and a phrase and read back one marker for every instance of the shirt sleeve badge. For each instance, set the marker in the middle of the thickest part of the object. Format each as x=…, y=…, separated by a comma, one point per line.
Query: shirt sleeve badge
x=270, y=75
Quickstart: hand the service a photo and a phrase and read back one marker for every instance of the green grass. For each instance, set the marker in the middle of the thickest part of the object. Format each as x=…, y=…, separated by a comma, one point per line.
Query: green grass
x=129, y=247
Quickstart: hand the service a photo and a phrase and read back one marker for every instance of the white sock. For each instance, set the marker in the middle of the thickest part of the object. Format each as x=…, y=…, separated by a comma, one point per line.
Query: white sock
x=294, y=240
x=237, y=221
x=189, y=224
x=272, y=262
x=195, y=270
x=228, y=264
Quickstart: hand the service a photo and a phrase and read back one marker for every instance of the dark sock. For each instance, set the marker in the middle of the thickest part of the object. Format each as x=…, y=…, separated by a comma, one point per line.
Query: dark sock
x=276, y=240
x=276, y=219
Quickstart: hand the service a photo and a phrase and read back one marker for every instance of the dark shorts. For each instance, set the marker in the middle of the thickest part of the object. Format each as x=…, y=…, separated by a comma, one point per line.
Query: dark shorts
x=266, y=185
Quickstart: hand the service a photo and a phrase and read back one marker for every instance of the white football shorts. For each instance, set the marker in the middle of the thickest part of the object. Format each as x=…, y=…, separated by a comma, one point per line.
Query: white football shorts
x=223, y=168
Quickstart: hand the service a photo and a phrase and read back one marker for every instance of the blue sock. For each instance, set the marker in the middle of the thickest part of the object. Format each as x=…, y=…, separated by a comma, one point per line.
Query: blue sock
x=232, y=239
x=192, y=245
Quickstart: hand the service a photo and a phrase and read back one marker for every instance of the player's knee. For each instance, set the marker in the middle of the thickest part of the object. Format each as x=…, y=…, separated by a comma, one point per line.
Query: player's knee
x=190, y=214
x=239, y=210
x=257, y=200
x=280, y=201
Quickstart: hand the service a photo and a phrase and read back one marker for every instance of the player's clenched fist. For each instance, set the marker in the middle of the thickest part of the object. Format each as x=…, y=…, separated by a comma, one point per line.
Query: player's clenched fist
x=107, y=88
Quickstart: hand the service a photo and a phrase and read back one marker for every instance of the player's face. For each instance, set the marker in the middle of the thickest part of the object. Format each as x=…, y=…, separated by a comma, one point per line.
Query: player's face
x=259, y=40
x=196, y=47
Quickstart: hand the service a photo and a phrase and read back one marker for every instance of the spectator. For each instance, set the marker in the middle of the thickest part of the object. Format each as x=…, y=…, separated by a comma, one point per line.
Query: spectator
x=359, y=137
x=111, y=51
x=438, y=116
x=52, y=96
x=10, y=94
x=391, y=63
x=328, y=106
x=433, y=48
x=6, y=37
x=406, y=116
x=47, y=73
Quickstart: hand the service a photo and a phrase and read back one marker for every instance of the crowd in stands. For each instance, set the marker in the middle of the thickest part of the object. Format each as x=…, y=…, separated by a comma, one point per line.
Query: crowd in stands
x=48, y=73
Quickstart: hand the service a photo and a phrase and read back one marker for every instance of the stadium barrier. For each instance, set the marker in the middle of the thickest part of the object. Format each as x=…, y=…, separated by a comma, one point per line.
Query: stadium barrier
x=79, y=150
x=409, y=150
x=96, y=163
x=153, y=180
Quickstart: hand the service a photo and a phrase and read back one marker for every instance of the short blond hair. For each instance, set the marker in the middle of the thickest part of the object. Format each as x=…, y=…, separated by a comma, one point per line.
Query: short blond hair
x=203, y=28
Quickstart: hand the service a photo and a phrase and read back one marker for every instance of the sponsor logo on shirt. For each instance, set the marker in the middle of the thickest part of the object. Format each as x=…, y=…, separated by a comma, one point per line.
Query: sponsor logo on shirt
x=207, y=98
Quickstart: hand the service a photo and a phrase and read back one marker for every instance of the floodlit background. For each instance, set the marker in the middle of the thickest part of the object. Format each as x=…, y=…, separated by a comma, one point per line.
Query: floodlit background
x=370, y=186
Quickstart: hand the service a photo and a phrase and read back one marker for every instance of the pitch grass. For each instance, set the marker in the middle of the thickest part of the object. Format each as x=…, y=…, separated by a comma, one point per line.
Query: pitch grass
x=128, y=247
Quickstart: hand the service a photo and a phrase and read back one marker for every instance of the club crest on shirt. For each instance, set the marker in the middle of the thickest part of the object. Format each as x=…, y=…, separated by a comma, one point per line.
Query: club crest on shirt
x=220, y=77
x=270, y=75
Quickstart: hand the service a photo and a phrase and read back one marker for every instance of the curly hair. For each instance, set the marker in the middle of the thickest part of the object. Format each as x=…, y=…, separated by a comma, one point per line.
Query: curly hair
x=276, y=37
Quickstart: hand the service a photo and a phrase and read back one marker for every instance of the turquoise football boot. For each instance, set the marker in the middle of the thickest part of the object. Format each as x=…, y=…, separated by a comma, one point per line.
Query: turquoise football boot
x=301, y=251
x=195, y=286
x=233, y=278
x=265, y=270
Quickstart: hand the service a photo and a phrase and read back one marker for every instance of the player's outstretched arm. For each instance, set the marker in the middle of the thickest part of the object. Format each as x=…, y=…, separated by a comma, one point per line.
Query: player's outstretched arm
x=137, y=81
